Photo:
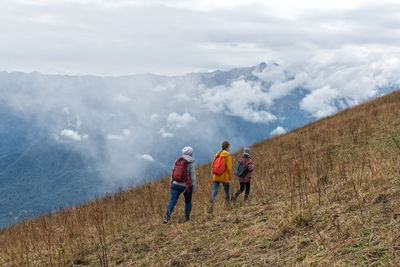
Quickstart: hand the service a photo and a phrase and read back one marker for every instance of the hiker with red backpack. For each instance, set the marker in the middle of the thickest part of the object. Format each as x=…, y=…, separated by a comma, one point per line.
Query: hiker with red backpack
x=183, y=180
x=221, y=172
x=243, y=170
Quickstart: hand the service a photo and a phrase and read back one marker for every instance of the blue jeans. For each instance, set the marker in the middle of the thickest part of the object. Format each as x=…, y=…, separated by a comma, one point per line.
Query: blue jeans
x=215, y=191
x=176, y=190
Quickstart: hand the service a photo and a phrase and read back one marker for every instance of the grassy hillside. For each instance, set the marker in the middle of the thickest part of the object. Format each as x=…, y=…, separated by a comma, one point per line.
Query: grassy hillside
x=326, y=194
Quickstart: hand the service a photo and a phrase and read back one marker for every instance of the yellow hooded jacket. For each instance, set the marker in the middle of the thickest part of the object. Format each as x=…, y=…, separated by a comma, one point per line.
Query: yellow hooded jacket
x=226, y=177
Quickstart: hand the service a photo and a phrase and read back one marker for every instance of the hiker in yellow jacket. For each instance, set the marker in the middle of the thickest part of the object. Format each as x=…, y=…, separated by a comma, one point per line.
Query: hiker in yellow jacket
x=221, y=171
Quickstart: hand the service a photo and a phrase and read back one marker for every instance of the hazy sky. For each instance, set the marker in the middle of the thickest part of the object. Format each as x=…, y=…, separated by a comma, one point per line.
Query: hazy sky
x=118, y=37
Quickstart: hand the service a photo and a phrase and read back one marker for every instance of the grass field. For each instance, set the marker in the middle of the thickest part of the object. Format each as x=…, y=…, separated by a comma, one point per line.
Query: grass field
x=326, y=194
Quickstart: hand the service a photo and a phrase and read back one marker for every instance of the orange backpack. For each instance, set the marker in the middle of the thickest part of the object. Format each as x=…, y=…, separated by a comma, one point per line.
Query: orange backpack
x=218, y=164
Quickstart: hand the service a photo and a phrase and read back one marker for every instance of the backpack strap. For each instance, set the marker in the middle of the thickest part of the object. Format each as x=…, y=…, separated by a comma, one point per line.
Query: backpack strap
x=187, y=187
x=188, y=178
x=244, y=162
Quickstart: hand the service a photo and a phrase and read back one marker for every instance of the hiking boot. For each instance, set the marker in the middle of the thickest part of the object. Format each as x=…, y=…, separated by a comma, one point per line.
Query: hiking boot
x=166, y=220
x=210, y=207
x=234, y=198
x=187, y=216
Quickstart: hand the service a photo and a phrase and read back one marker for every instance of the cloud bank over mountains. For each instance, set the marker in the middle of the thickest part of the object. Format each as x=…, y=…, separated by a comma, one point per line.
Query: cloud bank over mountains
x=88, y=135
x=131, y=124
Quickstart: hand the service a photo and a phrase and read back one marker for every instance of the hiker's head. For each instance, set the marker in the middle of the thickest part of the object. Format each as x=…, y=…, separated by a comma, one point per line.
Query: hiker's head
x=226, y=145
x=187, y=150
x=247, y=151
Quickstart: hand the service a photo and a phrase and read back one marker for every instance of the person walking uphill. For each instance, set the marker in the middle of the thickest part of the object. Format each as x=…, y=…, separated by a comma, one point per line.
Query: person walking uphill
x=244, y=174
x=183, y=180
x=221, y=171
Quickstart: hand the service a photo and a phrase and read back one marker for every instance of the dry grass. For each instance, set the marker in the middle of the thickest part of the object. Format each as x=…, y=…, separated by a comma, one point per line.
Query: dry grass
x=326, y=194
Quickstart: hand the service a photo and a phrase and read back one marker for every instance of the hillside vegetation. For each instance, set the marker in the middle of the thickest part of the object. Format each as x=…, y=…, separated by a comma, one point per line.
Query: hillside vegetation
x=326, y=194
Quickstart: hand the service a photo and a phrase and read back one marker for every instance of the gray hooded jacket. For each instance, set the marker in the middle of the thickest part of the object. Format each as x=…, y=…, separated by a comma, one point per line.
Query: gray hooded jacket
x=191, y=172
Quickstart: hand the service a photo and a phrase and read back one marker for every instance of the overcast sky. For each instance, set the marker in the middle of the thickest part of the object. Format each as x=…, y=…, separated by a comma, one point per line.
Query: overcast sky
x=172, y=37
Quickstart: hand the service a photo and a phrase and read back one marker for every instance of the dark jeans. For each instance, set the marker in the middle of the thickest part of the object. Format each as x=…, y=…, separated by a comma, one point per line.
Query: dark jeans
x=215, y=191
x=242, y=186
x=176, y=190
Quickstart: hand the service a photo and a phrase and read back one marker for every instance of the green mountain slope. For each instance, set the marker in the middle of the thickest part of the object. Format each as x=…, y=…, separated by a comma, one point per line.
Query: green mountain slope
x=40, y=178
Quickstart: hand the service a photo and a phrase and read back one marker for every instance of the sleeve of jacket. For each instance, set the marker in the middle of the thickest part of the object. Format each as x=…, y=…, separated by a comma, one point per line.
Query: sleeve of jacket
x=192, y=170
x=229, y=167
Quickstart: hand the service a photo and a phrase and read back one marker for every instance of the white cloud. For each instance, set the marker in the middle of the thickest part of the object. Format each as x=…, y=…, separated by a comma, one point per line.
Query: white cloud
x=290, y=6
x=165, y=134
x=161, y=88
x=199, y=38
x=179, y=121
x=65, y=110
x=320, y=102
x=154, y=117
x=242, y=99
x=348, y=76
x=114, y=137
x=281, y=89
x=122, y=98
x=145, y=157
x=272, y=73
x=182, y=97
x=106, y=3
x=73, y=135
x=125, y=133
x=278, y=131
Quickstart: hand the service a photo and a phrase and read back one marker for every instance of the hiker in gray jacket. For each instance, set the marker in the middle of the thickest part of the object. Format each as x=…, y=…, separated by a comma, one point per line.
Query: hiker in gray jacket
x=183, y=180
